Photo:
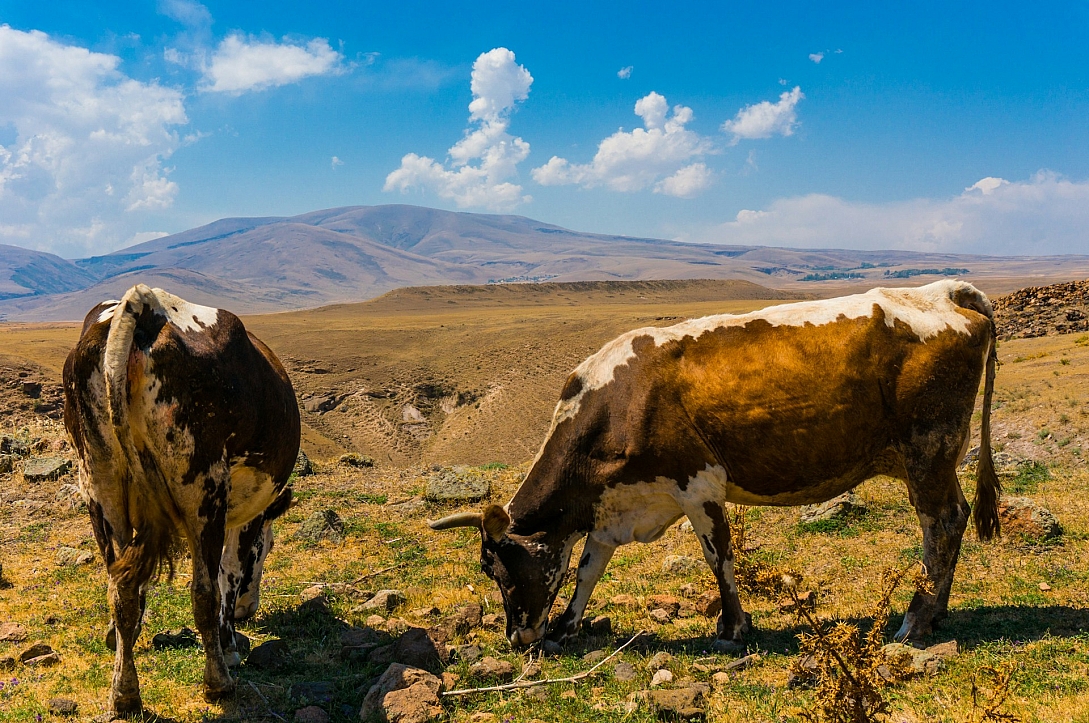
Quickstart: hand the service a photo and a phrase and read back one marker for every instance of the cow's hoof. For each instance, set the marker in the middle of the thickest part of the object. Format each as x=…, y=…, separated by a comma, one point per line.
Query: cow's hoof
x=214, y=695
x=729, y=647
x=912, y=629
x=126, y=706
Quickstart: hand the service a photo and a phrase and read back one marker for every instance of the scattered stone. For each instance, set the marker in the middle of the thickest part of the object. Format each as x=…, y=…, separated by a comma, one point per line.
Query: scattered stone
x=43, y=661
x=386, y=601
x=1020, y=516
x=418, y=649
x=720, y=679
x=12, y=633
x=457, y=484
x=407, y=506
x=450, y=680
x=175, y=639
x=569, y=695
x=321, y=691
x=594, y=656
x=69, y=497
x=624, y=672
x=531, y=670
x=686, y=526
x=539, y=694
x=742, y=662
x=311, y=714
x=32, y=389
x=396, y=626
x=40, y=469
x=466, y=653
x=314, y=600
x=679, y=703
x=466, y=618
x=689, y=590
x=62, y=707
x=429, y=612
x=680, y=564
x=624, y=601
x=403, y=694
x=322, y=525
x=709, y=604
x=668, y=603
x=34, y=651
x=374, y=621
x=660, y=616
x=944, y=650
x=1044, y=587
x=837, y=508
x=7, y=663
x=660, y=660
x=598, y=625
x=72, y=557
x=907, y=662
x=269, y=655
x=492, y=620
x=1043, y=310
x=14, y=447
x=354, y=459
x=303, y=465
x=492, y=669
x=7, y=463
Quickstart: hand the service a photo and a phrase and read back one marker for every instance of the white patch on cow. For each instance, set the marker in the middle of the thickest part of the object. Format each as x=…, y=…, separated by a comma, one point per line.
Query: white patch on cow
x=183, y=314
x=107, y=313
x=251, y=492
x=639, y=512
x=926, y=310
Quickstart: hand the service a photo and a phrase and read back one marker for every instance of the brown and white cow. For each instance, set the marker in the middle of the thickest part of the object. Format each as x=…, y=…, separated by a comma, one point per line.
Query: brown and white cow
x=790, y=405
x=187, y=428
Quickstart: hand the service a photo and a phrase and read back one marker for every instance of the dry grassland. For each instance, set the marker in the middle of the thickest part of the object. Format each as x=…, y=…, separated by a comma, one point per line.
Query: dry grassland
x=499, y=366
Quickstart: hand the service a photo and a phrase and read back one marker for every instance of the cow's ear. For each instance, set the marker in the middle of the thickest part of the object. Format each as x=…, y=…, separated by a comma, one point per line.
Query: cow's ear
x=495, y=522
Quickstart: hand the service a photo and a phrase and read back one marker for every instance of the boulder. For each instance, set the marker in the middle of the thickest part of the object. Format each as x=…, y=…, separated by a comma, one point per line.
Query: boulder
x=34, y=651
x=14, y=447
x=269, y=655
x=417, y=648
x=385, y=601
x=40, y=469
x=660, y=616
x=709, y=604
x=12, y=633
x=492, y=669
x=685, y=703
x=62, y=707
x=72, y=557
x=322, y=525
x=457, y=484
x=670, y=604
x=303, y=465
x=466, y=618
x=837, y=508
x=403, y=695
x=1020, y=516
x=681, y=564
x=43, y=661
x=907, y=662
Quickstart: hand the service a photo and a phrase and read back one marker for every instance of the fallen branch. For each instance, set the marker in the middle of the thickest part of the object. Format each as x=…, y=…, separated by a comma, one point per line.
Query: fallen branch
x=519, y=684
x=265, y=701
x=376, y=572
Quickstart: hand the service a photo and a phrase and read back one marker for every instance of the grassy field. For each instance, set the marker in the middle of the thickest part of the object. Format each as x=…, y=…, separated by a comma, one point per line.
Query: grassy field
x=998, y=612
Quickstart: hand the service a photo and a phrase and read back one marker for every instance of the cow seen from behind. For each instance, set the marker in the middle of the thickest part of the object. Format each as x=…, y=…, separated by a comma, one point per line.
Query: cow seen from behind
x=790, y=405
x=186, y=428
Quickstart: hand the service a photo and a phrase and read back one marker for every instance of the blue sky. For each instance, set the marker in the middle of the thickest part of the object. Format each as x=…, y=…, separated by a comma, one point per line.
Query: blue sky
x=941, y=127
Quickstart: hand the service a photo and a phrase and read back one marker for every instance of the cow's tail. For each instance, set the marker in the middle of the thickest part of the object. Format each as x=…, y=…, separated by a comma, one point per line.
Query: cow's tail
x=988, y=487
x=146, y=497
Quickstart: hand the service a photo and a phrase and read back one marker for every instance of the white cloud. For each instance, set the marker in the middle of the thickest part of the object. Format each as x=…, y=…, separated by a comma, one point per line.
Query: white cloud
x=1046, y=214
x=187, y=12
x=336, y=162
x=766, y=119
x=89, y=145
x=482, y=163
x=816, y=57
x=242, y=63
x=625, y=72
x=659, y=154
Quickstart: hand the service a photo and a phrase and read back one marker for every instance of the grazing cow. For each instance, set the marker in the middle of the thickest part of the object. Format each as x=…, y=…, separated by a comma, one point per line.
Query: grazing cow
x=187, y=428
x=790, y=405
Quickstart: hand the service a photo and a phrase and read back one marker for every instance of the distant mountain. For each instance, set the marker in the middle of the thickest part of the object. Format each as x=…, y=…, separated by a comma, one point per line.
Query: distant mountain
x=355, y=253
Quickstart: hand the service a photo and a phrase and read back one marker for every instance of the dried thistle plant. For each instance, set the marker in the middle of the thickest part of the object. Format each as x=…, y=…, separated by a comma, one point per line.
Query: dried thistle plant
x=848, y=668
x=988, y=711
x=754, y=576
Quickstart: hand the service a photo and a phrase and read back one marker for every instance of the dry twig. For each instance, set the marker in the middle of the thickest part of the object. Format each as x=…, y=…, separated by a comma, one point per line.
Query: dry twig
x=375, y=573
x=519, y=684
x=988, y=711
x=265, y=701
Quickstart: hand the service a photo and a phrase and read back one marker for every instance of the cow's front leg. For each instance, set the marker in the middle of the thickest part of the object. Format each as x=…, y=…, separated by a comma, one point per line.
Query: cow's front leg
x=713, y=530
x=595, y=557
x=943, y=514
x=206, y=545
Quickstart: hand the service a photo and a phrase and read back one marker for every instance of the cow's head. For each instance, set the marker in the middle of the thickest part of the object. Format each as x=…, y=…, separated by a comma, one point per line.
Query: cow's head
x=528, y=570
x=255, y=543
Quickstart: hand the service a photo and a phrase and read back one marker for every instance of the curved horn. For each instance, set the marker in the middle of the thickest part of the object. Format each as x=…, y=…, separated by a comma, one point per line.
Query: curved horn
x=459, y=519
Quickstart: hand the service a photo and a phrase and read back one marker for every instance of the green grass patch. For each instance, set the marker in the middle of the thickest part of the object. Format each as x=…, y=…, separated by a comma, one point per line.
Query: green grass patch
x=1029, y=475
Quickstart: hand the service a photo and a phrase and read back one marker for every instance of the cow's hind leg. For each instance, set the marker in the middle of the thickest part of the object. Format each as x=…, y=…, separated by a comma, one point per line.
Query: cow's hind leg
x=232, y=568
x=595, y=557
x=943, y=513
x=206, y=537
x=710, y=525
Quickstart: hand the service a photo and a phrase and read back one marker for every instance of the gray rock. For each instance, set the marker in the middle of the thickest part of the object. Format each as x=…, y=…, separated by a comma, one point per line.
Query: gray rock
x=7, y=463
x=62, y=707
x=594, y=656
x=457, y=484
x=661, y=677
x=837, y=508
x=72, y=557
x=12, y=633
x=419, y=649
x=322, y=525
x=660, y=616
x=679, y=703
x=69, y=497
x=311, y=714
x=270, y=655
x=175, y=640
x=354, y=459
x=321, y=691
x=385, y=601
x=492, y=669
x=34, y=651
x=14, y=447
x=303, y=465
x=466, y=653
x=681, y=564
x=660, y=660
x=403, y=694
x=43, y=661
x=1020, y=516
x=40, y=469
x=7, y=663
x=624, y=672
x=906, y=661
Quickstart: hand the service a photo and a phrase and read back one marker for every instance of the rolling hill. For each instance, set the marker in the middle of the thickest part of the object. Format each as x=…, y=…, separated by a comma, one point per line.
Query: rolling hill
x=255, y=265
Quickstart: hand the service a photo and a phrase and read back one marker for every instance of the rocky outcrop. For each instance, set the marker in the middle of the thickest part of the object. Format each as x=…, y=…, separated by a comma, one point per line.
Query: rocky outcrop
x=1043, y=311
